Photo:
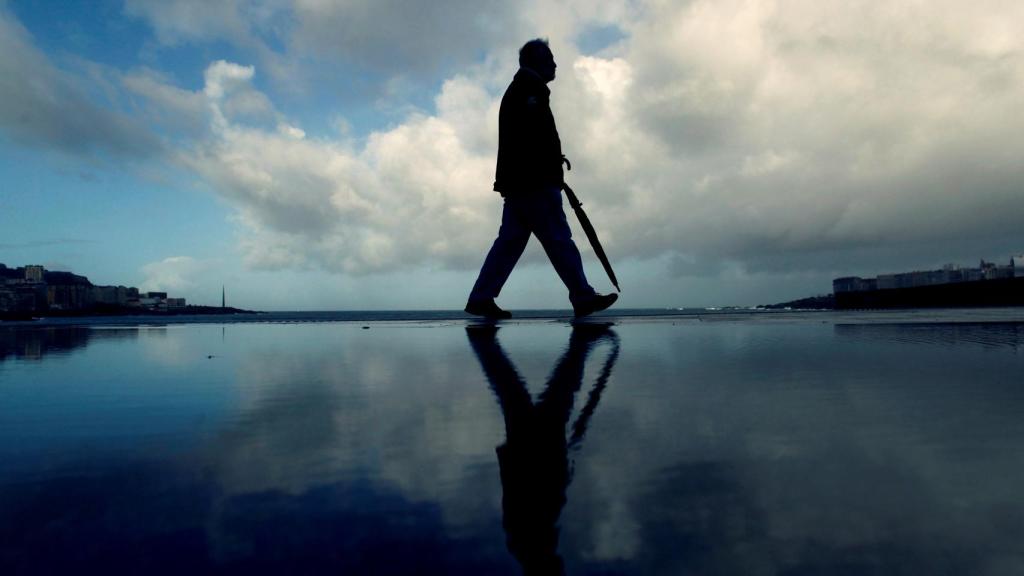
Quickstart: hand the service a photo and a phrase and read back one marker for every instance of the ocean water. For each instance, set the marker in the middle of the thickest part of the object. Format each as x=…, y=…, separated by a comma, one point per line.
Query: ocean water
x=791, y=443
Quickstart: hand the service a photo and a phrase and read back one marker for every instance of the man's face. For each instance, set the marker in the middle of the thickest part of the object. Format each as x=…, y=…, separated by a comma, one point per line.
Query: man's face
x=546, y=66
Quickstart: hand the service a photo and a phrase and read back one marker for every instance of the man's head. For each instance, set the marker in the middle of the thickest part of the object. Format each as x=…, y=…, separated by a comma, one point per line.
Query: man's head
x=537, y=56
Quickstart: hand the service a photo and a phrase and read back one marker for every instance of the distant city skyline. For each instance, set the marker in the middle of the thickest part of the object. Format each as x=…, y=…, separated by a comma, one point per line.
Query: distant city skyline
x=32, y=290
x=315, y=156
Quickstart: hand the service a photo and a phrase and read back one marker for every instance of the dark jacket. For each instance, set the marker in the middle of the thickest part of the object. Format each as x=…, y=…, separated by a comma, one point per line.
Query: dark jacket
x=529, y=151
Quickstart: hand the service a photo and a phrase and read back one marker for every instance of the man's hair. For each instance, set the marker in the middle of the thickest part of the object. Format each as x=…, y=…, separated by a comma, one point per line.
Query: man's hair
x=533, y=51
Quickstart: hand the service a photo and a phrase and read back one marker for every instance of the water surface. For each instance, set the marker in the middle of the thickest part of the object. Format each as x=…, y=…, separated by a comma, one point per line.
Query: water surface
x=803, y=445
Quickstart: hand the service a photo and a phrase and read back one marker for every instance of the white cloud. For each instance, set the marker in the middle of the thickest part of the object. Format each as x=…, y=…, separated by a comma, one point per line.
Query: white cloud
x=803, y=132
x=410, y=195
x=223, y=77
x=229, y=88
x=174, y=274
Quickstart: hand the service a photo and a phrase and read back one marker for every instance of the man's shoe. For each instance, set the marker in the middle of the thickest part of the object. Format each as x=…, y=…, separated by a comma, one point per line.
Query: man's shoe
x=596, y=304
x=487, y=309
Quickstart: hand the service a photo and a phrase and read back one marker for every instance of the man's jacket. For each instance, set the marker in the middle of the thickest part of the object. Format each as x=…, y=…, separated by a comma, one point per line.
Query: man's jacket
x=529, y=151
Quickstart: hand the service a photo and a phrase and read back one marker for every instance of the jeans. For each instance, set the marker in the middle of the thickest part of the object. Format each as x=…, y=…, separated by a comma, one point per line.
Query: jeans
x=536, y=212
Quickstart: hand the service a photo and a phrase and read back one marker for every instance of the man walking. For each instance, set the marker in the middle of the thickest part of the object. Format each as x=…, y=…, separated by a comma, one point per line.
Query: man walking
x=529, y=177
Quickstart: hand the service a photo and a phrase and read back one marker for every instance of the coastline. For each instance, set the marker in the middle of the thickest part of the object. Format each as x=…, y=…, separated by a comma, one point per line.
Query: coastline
x=122, y=311
x=623, y=316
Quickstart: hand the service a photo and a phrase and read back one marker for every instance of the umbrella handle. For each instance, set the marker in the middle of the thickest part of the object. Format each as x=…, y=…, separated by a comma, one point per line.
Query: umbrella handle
x=571, y=197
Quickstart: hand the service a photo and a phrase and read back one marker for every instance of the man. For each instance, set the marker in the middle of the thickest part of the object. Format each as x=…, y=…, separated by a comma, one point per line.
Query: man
x=529, y=177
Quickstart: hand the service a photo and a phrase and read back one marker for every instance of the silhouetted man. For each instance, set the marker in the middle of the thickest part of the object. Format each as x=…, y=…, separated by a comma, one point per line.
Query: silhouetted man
x=529, y=177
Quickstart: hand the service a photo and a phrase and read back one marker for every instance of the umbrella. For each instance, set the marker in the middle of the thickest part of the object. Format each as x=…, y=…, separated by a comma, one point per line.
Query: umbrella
x=577, y=207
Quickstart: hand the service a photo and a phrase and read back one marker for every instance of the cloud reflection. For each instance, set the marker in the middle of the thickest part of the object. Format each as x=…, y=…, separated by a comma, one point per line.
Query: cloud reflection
x=728, y=447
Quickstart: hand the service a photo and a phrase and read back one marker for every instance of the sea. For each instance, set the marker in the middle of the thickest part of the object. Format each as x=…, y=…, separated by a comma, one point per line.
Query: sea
x=633, y=442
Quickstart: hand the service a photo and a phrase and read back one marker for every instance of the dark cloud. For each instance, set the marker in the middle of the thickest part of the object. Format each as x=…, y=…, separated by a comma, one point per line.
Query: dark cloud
x=41, y=105
x=810, y=142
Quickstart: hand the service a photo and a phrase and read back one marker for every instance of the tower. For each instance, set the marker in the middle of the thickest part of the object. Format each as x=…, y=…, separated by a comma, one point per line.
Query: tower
x=222, y=296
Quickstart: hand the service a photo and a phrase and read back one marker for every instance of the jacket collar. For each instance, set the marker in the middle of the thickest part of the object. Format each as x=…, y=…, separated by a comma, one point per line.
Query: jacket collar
x=531, y=78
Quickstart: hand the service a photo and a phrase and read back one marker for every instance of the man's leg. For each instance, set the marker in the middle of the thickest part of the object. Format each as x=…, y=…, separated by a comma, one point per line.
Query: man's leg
x=552, y=229
x=513, y=236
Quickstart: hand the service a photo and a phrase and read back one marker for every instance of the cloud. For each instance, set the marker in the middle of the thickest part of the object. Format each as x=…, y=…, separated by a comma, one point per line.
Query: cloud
x=801, y=135
x=257, y=27
x=809, y=131
x=726, y=136
x=382, y=39
x=173, y=109
x=45, y=242
x=398, y=37
x=363, y=50
x=410, y=195
x=42, y=105
x=174, y=274
x=180, y=21
x=229, y=87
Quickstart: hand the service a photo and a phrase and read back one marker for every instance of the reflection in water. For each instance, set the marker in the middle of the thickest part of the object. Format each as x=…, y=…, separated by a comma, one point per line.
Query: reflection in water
x=985, y=334
x=35, y=343
x=736, y=448
x=534, y=460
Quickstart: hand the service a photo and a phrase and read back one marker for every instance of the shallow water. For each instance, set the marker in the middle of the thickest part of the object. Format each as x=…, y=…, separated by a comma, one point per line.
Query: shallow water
x=812, y=445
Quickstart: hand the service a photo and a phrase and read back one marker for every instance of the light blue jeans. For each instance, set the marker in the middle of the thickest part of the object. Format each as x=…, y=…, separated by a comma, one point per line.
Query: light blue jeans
x=539, y=213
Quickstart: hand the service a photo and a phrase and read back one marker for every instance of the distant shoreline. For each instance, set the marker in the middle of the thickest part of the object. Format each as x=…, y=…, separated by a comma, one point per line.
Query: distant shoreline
x=108, y=311
x=622, y=317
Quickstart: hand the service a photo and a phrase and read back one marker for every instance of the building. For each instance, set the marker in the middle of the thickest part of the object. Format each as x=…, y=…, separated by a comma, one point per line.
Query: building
x=22, y=297
x=33, y=289
x=67, y=291
x=34, y=273
x=110, y=295
x=69, y=296
x=987, y=285
x=853, y=284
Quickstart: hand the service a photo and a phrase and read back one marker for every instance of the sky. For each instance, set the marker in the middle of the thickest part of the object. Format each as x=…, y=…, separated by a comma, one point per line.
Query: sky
x=314, y=155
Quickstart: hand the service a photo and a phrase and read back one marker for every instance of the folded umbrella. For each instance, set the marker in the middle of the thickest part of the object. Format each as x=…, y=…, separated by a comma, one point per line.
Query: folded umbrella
x=588, y=228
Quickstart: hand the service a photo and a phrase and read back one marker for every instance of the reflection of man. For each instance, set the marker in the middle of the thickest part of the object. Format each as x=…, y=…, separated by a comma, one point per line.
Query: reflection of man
x=529, y=177
x=534, y=460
